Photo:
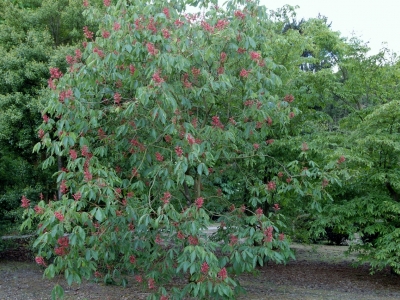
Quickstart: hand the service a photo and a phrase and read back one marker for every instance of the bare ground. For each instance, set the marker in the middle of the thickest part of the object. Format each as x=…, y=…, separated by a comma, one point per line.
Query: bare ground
x=320, y=272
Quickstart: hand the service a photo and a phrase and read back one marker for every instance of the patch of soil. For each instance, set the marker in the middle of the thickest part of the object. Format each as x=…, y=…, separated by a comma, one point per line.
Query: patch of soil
x=319, y=272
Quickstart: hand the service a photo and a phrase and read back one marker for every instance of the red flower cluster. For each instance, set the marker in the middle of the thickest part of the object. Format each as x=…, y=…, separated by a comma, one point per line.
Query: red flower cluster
x=223, y=274
x=40, y=261
x=39, y=210
x=180, y=235
x=193, y=240
x=25, y=202
x=166, y=12
x=268, y=234
x=204, y=268
x=259, y=211
x=159, y=157
x=151, y=283
x=132, y=259
x=157, y=78
x=341, y=160
x=244, y=73
x=255, y=56
x=151, y=26
x=223, y=57
x=270, y=141
x=216, y=122
x=167, y=196
x=59, y=216
x=151, y=49
x=41, y=133
x=271, y=186
x=88, y=34
x=73, y=154
x=63, y=187
x=233, y=239
x=132, y=69
x=191, y=140
x=195, y=72
x=221, y=24
x=105, y=34
x=64, y=95
x=116, y=26
x=158, y=240
x=199, y=202
x=107, y=3
x=289, y=98
x=166, y=33
x=77, y=196
x=276, y=207
x=185, y=81
x=239, y=14
x=207, y=27
x=55, y=73
x=62, y=249
x=178, y=151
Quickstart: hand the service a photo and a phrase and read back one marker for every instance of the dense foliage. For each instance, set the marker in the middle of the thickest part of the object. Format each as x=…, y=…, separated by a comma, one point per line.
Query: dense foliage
x=162, y=122
x=33, y=37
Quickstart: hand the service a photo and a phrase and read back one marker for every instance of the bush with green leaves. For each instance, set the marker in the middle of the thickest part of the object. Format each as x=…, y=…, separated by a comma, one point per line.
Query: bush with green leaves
x=165, y=119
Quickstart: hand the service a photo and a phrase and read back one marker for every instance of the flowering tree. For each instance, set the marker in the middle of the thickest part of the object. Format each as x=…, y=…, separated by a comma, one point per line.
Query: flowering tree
x=157, y=105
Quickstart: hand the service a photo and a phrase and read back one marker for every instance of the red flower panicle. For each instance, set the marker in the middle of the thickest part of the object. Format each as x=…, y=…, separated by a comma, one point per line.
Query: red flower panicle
x=289, y=98
x=259, y=211
x=59, y=216
x=233, y=239
x=193, y=240
x=166, y=12
x=105, y=34
x=40, y=261
x=244, y=73
x=77, y=196
x=159, y=157
x=25, y=202
x=39, y=210
x=199, y=202
x=167, y=196
x=223, y=274
x=180, y=235
x=204, y=268
x=271, y=186
x=216, y=122
x=151, y=49
x=88, y=34
x=151, y=283
x=255, y=55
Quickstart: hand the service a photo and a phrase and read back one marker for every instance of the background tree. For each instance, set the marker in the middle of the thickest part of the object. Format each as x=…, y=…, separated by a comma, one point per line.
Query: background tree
x=30, y=43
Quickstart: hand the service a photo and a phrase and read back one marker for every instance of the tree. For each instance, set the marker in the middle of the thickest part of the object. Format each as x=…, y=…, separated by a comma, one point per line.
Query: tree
x=157, y=107
x=30, y=43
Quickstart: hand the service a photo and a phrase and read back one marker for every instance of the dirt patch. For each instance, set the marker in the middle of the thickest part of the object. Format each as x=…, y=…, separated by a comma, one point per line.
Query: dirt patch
x=320, y=272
